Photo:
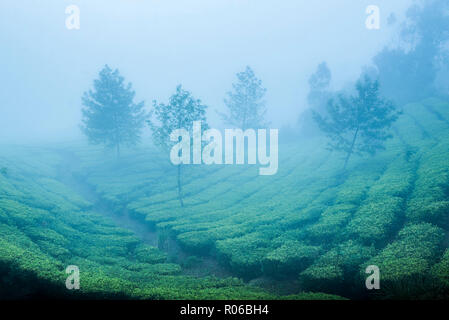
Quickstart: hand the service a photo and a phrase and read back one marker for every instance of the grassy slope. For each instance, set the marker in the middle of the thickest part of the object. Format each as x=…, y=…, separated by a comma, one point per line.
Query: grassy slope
x=46, y=226
x=309, y=223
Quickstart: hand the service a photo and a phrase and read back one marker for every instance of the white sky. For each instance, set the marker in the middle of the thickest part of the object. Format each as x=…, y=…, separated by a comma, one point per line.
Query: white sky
x=157, y=44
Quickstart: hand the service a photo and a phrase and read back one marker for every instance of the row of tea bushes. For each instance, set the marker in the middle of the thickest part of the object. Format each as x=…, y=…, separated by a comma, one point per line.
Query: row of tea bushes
x=430, y=199
x=42, y=234
x=406, y=264
x=310, y=221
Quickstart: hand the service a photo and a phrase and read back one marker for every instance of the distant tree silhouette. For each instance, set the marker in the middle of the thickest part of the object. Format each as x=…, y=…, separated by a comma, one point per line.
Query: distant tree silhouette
x=180, y=113
x=319, y=95
x=417, y=68
x=319, y=85
x=358, y=124
x=246, y=108
x=110, y=116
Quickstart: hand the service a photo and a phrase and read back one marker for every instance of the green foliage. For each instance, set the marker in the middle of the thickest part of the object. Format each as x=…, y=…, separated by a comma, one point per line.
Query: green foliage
x=414, y=73
x=342, y=263
x=415, y=249
x=244, y=254
x=245, y=103
x=322, y=278
x=36, y=245
x=291, y=258
x=310, y=226
x=358, y=124
x=429, y=200
x=374, y=220
x=110, y=115
x=148, y=254
x=180, y=113
x=191, y=261
x=331, y=223
x=441, y=269
x=317, y=99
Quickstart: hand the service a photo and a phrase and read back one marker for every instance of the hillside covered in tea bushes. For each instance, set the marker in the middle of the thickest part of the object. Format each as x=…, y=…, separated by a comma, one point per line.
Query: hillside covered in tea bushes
x=307, y=232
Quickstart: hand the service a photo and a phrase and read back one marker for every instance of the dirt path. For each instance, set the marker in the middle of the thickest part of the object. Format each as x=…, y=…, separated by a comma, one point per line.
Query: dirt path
x=194, y=266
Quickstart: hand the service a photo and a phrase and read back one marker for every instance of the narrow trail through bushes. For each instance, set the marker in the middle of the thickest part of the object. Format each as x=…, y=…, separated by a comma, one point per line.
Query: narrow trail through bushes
x=68, y=174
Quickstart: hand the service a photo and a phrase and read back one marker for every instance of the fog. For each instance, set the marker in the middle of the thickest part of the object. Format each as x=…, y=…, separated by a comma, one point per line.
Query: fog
x=314, y=166
x=159, y=44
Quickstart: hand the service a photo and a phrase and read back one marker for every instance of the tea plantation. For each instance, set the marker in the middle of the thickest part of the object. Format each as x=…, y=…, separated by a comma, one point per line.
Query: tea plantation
x=308, y=232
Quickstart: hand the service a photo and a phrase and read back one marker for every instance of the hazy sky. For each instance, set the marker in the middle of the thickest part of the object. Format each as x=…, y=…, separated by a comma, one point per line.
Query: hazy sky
x=45, y=67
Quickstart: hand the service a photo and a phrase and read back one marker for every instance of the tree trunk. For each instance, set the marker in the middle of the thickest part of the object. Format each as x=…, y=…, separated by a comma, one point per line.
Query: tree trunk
x=179, y=186
x=352, y=148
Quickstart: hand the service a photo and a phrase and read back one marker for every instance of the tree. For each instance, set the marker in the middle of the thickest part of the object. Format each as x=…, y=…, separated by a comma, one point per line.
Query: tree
x=319, y=85
x=417, y=68
x=110, y=116
x=319, y=95
x=180, y=113
x=245, y=102
x=358, y=124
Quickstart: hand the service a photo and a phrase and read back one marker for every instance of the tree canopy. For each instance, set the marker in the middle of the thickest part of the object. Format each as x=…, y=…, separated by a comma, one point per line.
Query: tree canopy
x=246, y=107
x=180, y=113
x=319, y=95
x=417, y=67
x=358, y=124
x=110, y=116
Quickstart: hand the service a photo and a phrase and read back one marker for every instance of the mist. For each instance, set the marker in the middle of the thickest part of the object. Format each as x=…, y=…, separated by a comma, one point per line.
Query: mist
x=245, y=150
x=157, y=45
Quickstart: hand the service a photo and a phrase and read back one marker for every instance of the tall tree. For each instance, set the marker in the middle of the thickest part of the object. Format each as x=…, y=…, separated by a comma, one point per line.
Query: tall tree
x=319, y=85
x=246, y=107
x=180, y=113
x=417, y=68
x=358, y=124
x=319, y=95
x=110, y=116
